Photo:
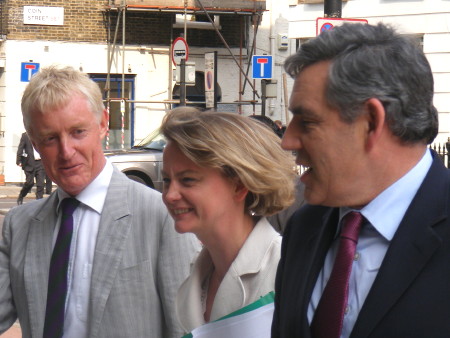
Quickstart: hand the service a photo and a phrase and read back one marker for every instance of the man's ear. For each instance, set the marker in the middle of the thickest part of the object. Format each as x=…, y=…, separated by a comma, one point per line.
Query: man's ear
x=376, y=121
x=104, y=123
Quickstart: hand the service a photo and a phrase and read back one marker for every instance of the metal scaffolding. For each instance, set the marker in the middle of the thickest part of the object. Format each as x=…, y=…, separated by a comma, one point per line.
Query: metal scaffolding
x=124, y=6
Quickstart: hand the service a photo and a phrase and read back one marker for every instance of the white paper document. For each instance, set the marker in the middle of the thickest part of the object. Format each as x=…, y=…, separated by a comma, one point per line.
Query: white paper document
x=253, y=321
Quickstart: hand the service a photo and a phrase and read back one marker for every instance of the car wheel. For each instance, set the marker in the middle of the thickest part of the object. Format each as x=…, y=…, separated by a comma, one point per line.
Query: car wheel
x=137, y=179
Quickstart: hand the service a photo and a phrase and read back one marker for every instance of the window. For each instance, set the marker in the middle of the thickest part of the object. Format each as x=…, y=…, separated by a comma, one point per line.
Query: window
x=121, y=127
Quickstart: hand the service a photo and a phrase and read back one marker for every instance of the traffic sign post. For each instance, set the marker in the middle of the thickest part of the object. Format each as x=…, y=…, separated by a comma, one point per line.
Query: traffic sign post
x=262, y=66
x=324, y=24
x=211, y=80
x=180, y=54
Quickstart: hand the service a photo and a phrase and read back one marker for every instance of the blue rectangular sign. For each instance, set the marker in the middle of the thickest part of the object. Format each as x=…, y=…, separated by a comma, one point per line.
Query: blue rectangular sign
x=262, y=66
x=27, y=70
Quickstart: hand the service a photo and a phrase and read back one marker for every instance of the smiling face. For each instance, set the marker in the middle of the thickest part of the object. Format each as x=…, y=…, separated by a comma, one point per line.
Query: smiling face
x=69, y=142
x=332, y=149
x=199, y=199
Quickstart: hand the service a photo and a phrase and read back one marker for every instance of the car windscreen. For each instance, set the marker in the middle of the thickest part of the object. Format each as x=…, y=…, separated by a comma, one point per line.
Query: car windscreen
x=154, y=141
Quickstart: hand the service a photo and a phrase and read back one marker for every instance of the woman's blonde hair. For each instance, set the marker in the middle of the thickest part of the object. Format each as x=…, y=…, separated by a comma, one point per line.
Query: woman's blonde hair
x=241, y=148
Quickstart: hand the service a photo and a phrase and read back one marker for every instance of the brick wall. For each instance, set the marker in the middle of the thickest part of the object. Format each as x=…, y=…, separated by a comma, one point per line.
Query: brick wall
x=87, y=21
x=145, y=28
x=83, y=21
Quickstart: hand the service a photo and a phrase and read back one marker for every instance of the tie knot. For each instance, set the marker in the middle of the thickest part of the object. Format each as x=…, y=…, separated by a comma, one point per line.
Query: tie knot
x=352, y=225
x=68, y=206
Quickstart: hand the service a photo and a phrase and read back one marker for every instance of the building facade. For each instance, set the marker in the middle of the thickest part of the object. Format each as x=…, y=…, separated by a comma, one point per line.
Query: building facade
x=427, y=20
x=125, y=46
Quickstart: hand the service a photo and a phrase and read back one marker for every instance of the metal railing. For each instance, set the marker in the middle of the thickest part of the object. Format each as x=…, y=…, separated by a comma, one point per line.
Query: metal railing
x=442, y=149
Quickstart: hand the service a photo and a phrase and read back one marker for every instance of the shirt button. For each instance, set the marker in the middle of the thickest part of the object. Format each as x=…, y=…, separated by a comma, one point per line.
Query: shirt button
x=356, y=256
x=347, y=310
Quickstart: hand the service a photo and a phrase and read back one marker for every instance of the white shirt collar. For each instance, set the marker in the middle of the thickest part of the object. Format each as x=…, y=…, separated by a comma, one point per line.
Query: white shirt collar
x=94, y=194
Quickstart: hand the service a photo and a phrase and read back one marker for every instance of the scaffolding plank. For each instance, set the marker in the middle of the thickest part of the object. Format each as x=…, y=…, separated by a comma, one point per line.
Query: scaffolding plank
x=217, y=4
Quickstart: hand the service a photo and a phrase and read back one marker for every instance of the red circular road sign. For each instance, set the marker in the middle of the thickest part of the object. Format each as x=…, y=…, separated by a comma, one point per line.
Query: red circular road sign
x=180, y=50
x=209, y=80
x=326, y=26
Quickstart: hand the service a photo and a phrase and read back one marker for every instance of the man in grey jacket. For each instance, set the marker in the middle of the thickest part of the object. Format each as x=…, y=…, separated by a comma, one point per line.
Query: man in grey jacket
x=126, y=261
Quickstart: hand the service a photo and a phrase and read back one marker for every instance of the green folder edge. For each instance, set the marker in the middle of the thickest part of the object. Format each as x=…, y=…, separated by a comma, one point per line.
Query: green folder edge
x=267, y=299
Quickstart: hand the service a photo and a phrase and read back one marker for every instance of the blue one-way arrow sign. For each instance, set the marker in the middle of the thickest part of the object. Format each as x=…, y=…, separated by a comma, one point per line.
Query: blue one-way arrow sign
x=262, y=66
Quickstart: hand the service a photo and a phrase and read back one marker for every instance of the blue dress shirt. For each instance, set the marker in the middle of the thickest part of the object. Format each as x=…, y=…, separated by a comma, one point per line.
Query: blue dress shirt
x=383, y=216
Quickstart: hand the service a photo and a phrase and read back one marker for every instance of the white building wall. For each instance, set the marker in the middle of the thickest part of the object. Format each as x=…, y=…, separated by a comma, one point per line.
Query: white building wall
x=152, y=83
x=430, y=18
x=275, y=22
x=151, y=65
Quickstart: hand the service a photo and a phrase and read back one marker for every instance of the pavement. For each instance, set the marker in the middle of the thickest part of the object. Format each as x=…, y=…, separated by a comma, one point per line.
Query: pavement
x=11, y=190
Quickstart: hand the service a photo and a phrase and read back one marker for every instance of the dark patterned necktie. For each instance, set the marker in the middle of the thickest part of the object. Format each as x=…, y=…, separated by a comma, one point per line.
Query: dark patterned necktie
x=57, y=279
x=329, y=315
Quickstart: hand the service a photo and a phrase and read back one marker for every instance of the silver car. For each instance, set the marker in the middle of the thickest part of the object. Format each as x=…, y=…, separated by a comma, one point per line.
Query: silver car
x=143, y=162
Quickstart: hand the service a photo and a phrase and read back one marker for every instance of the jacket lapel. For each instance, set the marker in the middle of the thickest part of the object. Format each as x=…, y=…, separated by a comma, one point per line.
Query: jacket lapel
x=37, y=262
x=232, y=294
x=190, y=293
x=410, y=250
x=115, y=225
x=319, y=243
x=313, y=237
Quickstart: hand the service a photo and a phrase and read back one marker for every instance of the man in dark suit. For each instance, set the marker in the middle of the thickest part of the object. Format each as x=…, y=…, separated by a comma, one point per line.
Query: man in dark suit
x=32, y=168
x=363, y=114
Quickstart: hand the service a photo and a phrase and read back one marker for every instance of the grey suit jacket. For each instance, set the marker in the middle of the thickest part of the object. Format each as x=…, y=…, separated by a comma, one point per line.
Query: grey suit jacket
x=139, y=263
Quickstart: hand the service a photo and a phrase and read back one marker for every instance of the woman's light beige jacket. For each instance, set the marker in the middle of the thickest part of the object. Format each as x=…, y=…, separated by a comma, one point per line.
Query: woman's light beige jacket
x=251, y=276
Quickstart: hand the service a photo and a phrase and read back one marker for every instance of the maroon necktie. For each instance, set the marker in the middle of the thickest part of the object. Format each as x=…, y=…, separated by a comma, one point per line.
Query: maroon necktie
x=329, y=315
x=57, y=279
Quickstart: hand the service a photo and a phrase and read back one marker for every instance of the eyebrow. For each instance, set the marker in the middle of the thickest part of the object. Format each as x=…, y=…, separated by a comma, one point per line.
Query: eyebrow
x=303, y=112
x=181, y=173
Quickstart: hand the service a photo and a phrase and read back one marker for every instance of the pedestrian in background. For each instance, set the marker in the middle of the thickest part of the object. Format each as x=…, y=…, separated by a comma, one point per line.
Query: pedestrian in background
x=223, y=173
x=100, y=256
x=281, y=128
x=30, y=162
x=369, y=255
x=48, y=184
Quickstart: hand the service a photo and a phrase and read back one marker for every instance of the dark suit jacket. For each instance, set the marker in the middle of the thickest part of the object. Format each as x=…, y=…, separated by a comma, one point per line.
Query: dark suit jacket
x=410, y=296
x=26, y=147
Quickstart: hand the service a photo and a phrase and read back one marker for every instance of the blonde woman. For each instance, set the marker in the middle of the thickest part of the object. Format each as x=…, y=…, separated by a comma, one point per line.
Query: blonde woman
x=223, y=173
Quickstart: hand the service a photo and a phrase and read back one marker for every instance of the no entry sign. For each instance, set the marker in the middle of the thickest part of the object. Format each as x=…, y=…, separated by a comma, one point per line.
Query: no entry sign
x=180, y=50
